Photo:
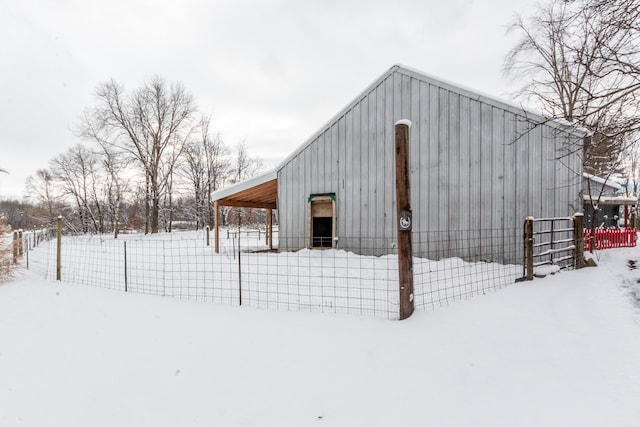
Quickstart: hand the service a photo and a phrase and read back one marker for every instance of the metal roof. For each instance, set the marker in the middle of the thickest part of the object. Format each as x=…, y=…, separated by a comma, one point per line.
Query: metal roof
x=261, y=191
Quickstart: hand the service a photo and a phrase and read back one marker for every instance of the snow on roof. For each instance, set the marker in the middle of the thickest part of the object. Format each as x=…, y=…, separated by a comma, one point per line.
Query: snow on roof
x=471, y=93
x=474, y=94
x=602, y=181
x=622, y=200
x=244, y=185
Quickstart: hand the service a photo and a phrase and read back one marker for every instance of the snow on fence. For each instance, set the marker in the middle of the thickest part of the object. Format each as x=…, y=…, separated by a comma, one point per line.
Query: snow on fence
x=607, y=238
x=181, y=265
x=551, y=244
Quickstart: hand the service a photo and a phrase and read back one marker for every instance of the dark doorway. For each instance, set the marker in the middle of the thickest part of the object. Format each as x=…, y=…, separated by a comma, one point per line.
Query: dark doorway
x=322, y=232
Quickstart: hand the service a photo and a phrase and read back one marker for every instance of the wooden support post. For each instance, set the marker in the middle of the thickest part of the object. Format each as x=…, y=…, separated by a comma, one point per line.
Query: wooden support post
x=15, y=247
x=59, y=250
x=578, y=240
x=270, y=228
x=403, y=215
x=20, y=243
x=216, y=227
x=528, y=246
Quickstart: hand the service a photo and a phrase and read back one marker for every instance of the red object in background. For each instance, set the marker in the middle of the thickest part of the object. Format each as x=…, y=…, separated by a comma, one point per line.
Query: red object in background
x=607, y=238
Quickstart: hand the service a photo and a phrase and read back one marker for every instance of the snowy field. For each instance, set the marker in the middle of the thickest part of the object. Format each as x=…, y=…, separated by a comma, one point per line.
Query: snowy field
x=181, y=265
x=559, y=351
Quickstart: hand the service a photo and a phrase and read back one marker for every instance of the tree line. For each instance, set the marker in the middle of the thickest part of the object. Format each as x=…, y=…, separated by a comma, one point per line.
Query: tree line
x=147, y=159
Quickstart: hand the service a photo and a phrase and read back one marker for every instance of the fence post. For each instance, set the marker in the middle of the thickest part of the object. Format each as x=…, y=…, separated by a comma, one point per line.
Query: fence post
x=403, y=215
x=578, y=240
x=528, y=246
x=35, y=243
x=216, y=225
x=269, y=237
x=207, y=235
x=15, y=247
x=59, y=250
x=126, y=284
x=239, y=272
x=20, y=243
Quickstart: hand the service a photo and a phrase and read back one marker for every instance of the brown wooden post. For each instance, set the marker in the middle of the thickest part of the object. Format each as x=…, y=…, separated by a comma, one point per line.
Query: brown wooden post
x=403, y=215
x=15, y=247
x=528, y=246
x=207, y=231
x=20, y=243
x=270, y=228
x=578, y=240
x=216, y=227
x=59, y=250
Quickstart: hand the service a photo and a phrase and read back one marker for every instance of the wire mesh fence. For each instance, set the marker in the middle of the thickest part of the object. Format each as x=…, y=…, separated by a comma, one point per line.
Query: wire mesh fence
x=448, y=266
x=465, y=263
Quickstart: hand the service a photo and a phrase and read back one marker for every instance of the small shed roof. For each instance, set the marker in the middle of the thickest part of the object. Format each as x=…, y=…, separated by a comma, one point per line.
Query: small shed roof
x=612, y=200
x=607, y=182
x=260, y=191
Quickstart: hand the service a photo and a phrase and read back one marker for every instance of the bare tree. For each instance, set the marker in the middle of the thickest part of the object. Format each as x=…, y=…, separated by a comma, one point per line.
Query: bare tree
x=578, y=61
x=206, y=167
x=40, y=189
x=244, y=166
x=77, y=171
x=148, y=126
x=115, y=185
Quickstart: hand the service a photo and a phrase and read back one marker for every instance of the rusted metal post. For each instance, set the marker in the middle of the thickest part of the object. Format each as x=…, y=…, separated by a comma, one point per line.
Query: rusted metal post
x=59, y=250
x=404, y=218
x=528, y=246
x=578, y=240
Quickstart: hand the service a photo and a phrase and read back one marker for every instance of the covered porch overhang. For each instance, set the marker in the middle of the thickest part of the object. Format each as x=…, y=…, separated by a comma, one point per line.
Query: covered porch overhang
x=259, y=192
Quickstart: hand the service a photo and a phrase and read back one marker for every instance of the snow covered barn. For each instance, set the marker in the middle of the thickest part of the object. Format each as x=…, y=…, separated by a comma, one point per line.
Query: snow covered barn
x=478, y=167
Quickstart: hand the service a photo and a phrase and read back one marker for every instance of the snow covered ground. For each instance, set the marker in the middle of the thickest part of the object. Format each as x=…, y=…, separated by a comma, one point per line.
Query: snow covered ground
x=180, y=265
x=558, y=351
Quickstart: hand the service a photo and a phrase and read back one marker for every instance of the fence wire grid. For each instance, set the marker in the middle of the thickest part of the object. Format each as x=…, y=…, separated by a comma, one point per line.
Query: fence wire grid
x=448, y=266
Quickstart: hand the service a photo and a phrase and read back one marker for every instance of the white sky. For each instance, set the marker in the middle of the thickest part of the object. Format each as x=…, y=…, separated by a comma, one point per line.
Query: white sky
x=271, y=72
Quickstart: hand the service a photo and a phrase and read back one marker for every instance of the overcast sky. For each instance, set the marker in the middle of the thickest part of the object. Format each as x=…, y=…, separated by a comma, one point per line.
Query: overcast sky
x=271, y=72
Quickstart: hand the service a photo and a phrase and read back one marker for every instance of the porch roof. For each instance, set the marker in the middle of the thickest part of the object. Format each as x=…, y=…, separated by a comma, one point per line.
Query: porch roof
x=260, y=191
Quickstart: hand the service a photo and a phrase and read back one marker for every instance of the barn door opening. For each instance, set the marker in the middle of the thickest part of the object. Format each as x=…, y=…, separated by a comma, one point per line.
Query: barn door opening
x=322, y=221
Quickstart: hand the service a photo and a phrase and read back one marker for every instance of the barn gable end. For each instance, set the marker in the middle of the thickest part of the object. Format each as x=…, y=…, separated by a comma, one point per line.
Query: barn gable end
x=479, y=166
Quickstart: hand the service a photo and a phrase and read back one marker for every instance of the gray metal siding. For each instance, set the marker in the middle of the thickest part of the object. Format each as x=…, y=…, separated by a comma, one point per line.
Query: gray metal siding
x=475, y=167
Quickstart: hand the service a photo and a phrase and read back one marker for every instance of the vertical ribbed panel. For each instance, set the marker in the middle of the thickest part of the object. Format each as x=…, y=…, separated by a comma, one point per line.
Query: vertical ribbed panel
x=474, y=166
